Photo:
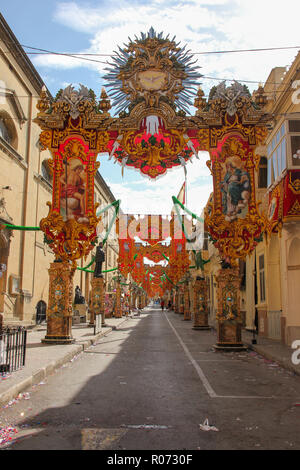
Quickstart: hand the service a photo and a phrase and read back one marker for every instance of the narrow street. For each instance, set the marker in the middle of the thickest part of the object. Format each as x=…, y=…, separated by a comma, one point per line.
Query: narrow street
x=149, y=385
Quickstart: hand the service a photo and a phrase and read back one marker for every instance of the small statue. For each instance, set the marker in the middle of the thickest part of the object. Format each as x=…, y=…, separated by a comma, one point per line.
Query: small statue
x=79, y=299
x=99, y=259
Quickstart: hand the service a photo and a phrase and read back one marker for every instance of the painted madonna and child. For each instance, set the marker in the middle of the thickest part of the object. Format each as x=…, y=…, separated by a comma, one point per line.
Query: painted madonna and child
x=235, y=189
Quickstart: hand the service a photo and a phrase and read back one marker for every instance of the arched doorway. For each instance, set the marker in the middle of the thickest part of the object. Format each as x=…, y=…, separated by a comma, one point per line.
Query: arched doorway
x=41, y=309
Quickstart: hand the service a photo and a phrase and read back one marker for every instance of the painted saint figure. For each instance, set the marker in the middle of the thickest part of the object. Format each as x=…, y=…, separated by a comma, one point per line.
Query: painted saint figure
x=73, y=189
x=235, y=189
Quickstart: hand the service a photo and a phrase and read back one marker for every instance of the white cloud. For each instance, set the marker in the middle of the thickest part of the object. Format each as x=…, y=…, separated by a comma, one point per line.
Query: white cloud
x=155, y=196
x=206, y=25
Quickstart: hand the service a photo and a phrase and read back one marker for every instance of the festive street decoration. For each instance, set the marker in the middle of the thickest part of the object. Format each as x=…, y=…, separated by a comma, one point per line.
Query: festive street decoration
x=237, y=126
x=284, y=202
x=235, y=222
x=134, y=257
x=151, y=82
x=70, y=133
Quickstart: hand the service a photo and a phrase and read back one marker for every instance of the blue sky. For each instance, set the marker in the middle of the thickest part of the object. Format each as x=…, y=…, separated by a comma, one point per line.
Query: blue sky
x=205, y=25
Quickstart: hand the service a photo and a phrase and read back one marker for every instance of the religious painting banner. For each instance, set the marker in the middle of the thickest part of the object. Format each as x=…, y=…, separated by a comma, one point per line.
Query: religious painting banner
x=70, y=226
x=233, y=220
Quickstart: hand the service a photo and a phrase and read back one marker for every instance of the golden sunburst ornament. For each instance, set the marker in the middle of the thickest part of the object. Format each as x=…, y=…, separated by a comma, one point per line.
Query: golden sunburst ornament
x=152, y=68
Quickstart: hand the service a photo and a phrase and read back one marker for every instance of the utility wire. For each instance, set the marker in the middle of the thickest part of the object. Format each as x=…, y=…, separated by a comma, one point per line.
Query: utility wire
x=192, y=53
x=81, y=56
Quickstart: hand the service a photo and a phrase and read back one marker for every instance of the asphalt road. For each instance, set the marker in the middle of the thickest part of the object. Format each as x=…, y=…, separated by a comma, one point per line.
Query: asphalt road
x=150, y=385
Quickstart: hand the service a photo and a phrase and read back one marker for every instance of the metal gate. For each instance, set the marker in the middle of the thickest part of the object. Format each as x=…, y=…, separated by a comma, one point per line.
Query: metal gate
x=12, y=349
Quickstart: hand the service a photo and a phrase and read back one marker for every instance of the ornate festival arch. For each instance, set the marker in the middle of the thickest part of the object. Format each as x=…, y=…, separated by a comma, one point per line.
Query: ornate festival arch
x=151, y=84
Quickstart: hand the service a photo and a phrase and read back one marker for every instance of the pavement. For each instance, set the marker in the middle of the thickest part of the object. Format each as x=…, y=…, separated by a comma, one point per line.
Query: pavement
x=272, y=350
x=43, y=359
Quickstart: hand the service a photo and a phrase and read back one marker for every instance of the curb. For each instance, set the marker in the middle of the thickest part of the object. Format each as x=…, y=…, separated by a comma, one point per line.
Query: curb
x=281, y=362
x=285, y=364
x=40, y=374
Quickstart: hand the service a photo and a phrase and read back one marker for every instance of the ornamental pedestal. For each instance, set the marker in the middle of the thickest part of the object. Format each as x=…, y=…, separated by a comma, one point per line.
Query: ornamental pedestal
x=118, y=309
x=186, y=303
x=59, y=313
x=97, y=300
x=200, y=305
x=229, y=328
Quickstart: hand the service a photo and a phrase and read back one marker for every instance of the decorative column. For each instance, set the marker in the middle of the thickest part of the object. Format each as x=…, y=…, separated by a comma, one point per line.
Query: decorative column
x=97, y=300
x=200, y=290
x=186, y=302
x=59, y=312
x=118, y=310
x=229, y=328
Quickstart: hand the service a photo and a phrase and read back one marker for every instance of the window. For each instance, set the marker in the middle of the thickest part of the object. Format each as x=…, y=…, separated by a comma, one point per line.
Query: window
x=294, y=126
x=45, y=171
x=8, y=130
x=263, y=173
x=261, y=264
x=276, y=163
x=4, y=132
x=283, y=153
x=295, y=149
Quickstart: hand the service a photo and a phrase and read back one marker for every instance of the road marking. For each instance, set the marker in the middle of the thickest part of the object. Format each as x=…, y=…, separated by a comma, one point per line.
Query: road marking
x=198, y=369
x=205, y=381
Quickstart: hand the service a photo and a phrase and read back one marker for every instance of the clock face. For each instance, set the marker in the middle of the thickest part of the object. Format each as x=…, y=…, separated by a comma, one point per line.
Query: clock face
x=152, y=79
